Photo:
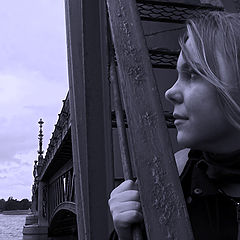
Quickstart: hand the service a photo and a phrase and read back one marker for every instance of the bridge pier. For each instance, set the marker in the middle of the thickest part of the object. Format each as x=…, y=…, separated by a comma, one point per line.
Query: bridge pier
x=36, y=225
x=35, y=232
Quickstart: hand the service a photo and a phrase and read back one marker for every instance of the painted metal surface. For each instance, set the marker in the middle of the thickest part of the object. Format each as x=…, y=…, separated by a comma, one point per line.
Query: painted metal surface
x=90, y=115
x=122, y=134
x=162, y=200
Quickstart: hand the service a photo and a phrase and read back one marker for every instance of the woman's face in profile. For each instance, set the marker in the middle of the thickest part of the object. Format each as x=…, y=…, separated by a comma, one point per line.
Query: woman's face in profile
x=199, y=119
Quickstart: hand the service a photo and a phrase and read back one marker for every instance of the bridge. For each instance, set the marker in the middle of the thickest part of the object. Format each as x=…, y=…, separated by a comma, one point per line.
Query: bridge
x=53, y=197
x=73, y=180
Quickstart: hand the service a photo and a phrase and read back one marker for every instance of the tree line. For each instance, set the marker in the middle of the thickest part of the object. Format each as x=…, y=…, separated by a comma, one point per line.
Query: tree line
x=14, y=204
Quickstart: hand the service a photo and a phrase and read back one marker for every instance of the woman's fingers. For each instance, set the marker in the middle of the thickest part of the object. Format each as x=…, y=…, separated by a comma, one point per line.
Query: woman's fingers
x=125, y=206
x=124, y=219
x=129, y=195
x=126, y=185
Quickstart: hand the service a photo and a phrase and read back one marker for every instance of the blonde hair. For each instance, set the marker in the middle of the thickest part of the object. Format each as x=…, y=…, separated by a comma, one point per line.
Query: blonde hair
x=217, y=34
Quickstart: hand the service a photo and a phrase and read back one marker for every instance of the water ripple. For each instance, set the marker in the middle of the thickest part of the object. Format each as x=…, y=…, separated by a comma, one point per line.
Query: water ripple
x=11, y=227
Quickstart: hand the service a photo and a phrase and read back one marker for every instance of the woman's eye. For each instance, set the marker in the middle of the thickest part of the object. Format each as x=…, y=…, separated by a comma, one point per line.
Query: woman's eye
x=189, y=75
x=193, y=74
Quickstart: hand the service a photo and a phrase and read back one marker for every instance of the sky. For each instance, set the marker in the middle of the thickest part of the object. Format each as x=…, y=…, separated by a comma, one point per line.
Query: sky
x=33, y=83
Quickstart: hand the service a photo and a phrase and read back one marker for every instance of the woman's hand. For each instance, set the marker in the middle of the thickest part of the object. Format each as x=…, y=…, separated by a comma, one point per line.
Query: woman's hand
x=125, y=207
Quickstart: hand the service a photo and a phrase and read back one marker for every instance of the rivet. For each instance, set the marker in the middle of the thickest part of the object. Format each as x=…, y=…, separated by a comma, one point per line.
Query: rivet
x=197, y=191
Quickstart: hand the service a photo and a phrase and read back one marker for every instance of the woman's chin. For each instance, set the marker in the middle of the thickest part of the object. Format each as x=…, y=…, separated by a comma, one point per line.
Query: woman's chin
x=183, y=141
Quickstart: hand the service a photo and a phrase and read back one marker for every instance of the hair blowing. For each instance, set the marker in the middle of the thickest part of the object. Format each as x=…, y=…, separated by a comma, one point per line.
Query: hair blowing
x=217, y=35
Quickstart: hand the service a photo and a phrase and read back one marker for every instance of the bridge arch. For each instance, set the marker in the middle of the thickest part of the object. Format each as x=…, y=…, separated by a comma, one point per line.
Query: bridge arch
x=63, y=223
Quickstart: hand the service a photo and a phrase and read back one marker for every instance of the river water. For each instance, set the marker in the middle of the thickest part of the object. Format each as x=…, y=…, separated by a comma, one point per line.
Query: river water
x=11, y=227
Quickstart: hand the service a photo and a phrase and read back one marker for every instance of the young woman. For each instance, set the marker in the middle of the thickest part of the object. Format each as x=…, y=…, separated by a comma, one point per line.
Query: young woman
x=206, y=100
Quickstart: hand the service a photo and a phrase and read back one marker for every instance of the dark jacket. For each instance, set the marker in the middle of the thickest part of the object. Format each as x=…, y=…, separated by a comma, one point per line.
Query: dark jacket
x=212, y=213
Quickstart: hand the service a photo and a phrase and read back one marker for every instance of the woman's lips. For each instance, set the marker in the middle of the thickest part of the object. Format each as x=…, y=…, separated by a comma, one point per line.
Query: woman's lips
x=179, y=119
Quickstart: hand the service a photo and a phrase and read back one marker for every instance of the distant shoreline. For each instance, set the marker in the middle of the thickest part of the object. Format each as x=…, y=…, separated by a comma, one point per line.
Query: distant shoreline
x=16, y=212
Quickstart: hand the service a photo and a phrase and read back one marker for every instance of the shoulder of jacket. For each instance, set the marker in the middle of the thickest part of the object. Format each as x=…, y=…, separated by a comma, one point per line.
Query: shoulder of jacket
x=181, y=158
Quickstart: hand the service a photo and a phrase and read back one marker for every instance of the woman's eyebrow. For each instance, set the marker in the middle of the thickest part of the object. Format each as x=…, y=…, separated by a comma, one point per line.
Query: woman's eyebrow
x=188, y=67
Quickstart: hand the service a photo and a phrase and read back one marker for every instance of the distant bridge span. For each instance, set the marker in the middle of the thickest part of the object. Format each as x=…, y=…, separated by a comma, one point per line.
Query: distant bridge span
x=53, y=188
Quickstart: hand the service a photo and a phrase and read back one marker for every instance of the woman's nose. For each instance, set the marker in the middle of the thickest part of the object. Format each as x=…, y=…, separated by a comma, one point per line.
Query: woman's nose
x=174, y=95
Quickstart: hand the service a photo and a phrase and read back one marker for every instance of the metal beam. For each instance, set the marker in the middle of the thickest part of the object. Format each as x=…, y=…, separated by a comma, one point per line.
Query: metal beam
x=90, y=115
x=164, y=209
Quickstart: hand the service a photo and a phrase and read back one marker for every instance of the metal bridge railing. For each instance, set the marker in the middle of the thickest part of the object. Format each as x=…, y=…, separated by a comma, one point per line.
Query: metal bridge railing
x=60, y=131
x=163, y=58
x=171, y=12
x=61, y=190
